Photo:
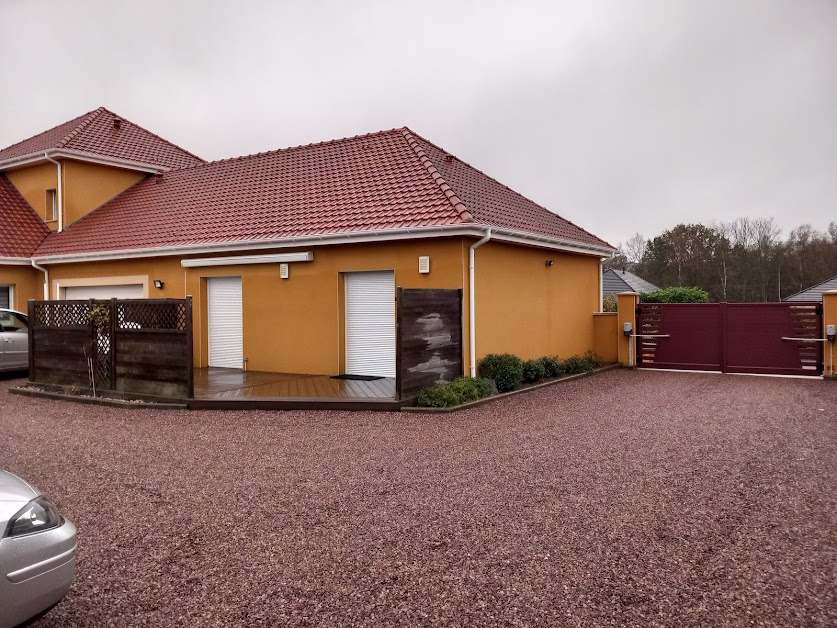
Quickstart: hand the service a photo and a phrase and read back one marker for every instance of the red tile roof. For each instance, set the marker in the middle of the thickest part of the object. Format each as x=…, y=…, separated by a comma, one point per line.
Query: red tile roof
x=21, y=229
x=95, y=133
x=494, y=204
x=386, y=180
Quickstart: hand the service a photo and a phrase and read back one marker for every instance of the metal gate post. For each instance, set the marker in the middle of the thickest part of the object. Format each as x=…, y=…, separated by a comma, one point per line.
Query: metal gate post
x=626, y=346
x=829, y=317
x=723, y=337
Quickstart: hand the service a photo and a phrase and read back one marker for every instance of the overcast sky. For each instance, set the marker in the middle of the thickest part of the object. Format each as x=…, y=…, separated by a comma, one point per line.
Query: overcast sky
x=621, y=116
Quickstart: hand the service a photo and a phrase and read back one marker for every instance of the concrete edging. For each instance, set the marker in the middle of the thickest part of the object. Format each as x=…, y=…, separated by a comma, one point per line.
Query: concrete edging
x=97, y=401
x=484, y=400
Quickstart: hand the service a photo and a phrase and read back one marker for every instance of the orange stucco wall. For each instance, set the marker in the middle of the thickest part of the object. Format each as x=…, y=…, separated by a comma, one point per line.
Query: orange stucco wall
x=32, y=183
x=86, y=186
x=296, y=324
x=606, y=340
x=27, y=283
x=530, y=309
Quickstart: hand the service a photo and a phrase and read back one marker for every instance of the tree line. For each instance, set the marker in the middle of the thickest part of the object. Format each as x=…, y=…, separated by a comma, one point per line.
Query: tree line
x=744, y=260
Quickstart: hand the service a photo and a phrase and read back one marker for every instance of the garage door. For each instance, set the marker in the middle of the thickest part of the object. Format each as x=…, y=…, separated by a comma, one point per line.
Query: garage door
x=226, y=348
x=126, y=291
x=370, y=323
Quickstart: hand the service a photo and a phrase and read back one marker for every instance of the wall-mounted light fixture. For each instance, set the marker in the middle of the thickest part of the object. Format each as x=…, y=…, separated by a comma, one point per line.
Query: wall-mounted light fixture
x=550, y=262
x=158, y=283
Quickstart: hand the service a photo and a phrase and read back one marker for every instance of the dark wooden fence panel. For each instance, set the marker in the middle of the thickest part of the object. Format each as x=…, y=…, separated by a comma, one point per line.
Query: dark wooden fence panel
x=428, y=339
x=143, y=348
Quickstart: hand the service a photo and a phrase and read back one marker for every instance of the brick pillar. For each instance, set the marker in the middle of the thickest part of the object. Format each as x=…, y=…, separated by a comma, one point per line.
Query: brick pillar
x=829, y=317
x=627, y=314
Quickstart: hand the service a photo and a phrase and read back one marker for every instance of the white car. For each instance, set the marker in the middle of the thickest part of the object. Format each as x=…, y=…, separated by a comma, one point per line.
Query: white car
x=14, y=341
x=37, y=552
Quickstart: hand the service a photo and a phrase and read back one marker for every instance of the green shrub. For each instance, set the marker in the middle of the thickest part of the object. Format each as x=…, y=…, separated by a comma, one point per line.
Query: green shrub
x=438, y=396
x=551, y=365
x=458, y=391
x=465, y=389
x=676, y=295
x=505, y=369
x=485, y=388
x=610, y=303
x=533, y=371
x=576, y=364
x=594, y=359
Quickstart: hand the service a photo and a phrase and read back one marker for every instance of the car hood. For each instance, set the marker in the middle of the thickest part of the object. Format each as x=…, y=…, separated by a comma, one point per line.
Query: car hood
x=14, y=494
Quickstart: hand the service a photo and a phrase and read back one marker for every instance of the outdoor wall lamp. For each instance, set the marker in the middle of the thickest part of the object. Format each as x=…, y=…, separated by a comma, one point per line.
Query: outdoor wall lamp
x=550, y=262
x=159, y=284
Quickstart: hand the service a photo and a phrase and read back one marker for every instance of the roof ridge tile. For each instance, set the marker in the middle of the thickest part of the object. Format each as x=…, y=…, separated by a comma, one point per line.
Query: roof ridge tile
x=80, y=127
x=448, y=191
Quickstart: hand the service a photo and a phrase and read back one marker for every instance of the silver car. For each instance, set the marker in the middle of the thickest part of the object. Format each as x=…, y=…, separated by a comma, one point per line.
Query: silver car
x=14, y=341
x=37, y=552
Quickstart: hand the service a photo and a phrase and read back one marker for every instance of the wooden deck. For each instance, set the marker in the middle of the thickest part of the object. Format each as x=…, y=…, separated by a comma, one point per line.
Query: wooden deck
x=234, y=389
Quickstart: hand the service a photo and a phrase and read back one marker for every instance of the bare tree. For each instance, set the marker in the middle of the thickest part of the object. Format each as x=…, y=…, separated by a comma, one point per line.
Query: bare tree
x=635, y=248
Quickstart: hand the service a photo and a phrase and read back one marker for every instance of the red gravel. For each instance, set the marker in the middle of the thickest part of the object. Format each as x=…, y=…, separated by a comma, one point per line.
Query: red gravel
x=629, y=498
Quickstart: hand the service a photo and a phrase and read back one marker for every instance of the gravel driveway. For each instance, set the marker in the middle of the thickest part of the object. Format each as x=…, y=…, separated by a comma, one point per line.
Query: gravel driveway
x=629, y=498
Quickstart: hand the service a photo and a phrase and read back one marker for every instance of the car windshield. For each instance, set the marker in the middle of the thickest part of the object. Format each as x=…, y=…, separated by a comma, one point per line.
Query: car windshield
x=12, y=322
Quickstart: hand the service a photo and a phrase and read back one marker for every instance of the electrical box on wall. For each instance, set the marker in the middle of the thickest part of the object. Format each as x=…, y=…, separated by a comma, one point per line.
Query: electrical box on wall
x=284, y=271
x=424, y=264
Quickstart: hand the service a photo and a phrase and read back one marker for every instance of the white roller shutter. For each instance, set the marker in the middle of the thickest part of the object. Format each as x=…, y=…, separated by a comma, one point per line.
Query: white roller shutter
x=226, y=348
x=126, y=291
x=370, y=323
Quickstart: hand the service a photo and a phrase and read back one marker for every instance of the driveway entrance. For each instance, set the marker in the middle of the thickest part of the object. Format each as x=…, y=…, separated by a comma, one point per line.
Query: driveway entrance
x=759, y=338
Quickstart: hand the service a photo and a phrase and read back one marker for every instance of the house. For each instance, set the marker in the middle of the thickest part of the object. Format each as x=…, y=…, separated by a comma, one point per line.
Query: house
x=292, y=256
x=814, y=293
x=616, y=281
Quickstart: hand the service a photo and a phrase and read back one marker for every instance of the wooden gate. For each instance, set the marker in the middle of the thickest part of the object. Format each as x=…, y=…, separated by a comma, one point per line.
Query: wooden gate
x=428, y=339
x=761, y=338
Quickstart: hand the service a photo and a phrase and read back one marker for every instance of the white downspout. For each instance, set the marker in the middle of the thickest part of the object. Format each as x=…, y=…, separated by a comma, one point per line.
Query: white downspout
x=59, y=192
x=601, y=285
x=472, y=314
x=46, y=278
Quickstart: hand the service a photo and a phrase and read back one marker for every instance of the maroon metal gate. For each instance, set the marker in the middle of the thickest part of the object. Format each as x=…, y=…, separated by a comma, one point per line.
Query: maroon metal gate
x=766, y=338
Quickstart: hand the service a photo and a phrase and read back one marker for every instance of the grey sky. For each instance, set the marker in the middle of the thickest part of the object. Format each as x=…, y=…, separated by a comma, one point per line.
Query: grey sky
x=622, y=116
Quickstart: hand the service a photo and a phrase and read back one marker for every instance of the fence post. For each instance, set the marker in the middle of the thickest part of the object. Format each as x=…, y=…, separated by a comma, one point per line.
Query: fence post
x=112, y=339
x=398, y=344
x=626, y=347
x=829, y=317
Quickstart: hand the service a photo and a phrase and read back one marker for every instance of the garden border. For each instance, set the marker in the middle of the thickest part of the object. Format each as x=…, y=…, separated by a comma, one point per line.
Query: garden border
x=511, y=393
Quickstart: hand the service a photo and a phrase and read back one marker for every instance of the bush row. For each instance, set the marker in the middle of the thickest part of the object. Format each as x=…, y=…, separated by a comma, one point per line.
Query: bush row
x=504, y=372
x=455, y=392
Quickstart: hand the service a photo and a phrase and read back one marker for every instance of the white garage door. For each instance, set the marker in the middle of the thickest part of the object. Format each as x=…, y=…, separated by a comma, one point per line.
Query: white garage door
x=370, y=323
x=127, y=291
x=226, y=347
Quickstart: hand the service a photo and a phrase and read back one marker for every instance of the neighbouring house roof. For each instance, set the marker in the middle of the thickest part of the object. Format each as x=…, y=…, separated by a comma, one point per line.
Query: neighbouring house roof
x=615, y=281
x=382, y=181
x=21, y=229
x=97, y=133
x=814, y=293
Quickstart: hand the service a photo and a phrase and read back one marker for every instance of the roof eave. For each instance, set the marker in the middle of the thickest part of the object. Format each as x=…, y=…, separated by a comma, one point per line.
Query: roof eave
x=381, y=235
x=67, y=153
x=15, y=261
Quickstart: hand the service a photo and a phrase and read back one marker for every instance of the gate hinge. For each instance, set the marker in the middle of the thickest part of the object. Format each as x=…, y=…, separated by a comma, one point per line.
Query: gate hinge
x=819, y=309
x=638, y=311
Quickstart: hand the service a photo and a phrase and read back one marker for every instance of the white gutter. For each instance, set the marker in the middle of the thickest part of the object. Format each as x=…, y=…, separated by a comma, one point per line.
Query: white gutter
x=68, y=153
x=15, y=261
x=59, y=192
x=280, y=258
x=471, y=313
x=46, y=279
x=505, y=235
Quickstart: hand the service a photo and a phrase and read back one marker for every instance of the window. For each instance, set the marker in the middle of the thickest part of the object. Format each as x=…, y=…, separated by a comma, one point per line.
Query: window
x=51, y=212
x=13, y=322
x=6, y=297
